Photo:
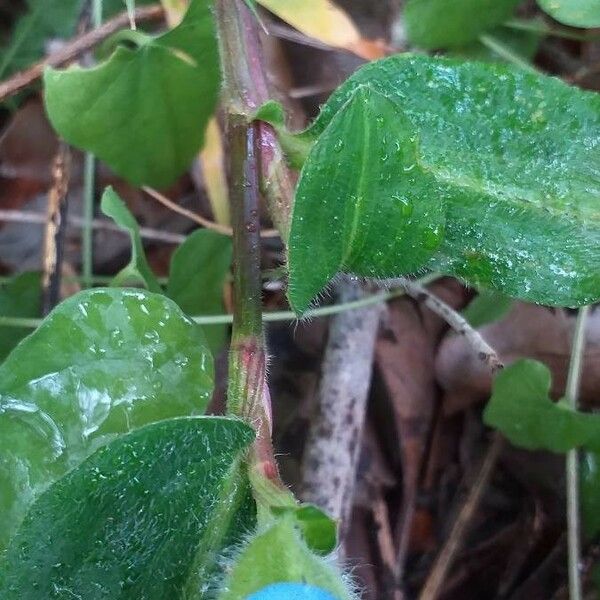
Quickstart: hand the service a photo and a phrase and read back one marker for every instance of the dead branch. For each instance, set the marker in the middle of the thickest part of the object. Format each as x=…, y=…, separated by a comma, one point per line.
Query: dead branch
x=334, y=440
x=75, y=48
x=460, y=325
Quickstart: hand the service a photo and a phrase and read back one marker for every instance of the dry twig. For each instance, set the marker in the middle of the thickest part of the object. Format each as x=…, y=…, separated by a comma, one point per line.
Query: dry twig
x=483, y=350
x=199, y=219
x=435, y=581
x=55, y=227
x=71, y=51
x=18, y=216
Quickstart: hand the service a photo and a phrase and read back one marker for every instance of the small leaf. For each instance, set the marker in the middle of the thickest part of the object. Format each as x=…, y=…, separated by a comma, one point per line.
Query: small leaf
x=443, y=24
x=199, y=268
x=590, y=493
x=133, y=519
x=318, y=529
x=577, y=13
x=104, y=362
x=279, y=555
x=20, y=296
x=487, y=307
x=381, y=211
x=520, y=407
x=324, y=21
x=138, y=270
x=144, y=111
x=513, y=170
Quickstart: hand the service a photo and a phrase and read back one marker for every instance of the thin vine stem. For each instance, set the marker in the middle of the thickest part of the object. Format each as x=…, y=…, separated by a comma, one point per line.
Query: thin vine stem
x=572, y=466
x=89, y=185
x=267, y=317
x=505, y=52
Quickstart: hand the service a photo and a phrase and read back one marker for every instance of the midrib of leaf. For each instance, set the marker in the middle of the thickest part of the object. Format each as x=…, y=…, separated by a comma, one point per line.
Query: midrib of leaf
x=360, y=196
x=216, y=531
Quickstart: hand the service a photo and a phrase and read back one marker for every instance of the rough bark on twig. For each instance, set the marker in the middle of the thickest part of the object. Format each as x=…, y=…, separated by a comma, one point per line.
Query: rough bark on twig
x=333, y=444
x=55, y=228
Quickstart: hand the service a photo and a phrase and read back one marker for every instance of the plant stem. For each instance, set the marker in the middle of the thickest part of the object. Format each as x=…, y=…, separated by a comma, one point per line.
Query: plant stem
x=506, y=53
x=87, y=231
x=89, y=169
x=267, y=317
x=247, y=393
x=573, y=522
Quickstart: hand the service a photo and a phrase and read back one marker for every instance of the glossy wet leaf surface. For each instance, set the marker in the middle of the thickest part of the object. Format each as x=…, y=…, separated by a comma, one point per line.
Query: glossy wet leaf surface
x=520, y=407
x=577, y=13
x=143, y=111
x=138, y=270
x=512, y=157
x=21, y=296
x=453, y=23
x=370, y=221
x=104, y=362
x=137, y=517
x=199, y=269
x=275, y=555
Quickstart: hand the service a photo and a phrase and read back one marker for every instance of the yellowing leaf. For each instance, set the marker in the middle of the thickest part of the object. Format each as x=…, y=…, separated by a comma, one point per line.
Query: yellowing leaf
x=213, y=171
x=322, y=20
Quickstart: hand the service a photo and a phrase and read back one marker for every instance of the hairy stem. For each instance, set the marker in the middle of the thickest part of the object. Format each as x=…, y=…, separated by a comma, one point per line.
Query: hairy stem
x=247, y=394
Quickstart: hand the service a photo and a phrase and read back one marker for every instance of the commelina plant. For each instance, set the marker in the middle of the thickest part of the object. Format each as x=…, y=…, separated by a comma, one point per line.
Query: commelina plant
x=112, y=482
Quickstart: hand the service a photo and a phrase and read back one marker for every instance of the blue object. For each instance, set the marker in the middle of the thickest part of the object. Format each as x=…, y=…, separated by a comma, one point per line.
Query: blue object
x=291, y=591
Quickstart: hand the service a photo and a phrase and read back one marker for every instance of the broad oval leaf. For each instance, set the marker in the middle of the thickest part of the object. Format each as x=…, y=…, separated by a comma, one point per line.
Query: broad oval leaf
x=363, y=204
x=577, y=13
x=514, y=154
x=143, y=111
x=453, y=23
x=102, y=363
x=136, y=519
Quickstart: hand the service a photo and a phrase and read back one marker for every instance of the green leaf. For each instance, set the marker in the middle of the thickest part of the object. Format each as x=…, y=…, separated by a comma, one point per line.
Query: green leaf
x=353, y=212
x=498, y=158
x=577, y=13
x=520, y=407
x=199, y=269
x=138, y=270
x=590, y=493
x=144, y=111
x=487, y=307
x=279, y=554
x=522, y=44
x=318, y=530
x=451, y=24
x=104, y=362
x=21, y=296
x=136, y=517
x=43, y=21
